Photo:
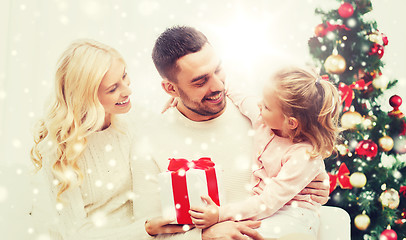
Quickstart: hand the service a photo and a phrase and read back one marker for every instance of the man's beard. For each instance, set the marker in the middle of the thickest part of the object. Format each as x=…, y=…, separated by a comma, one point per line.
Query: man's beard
x=198, y=107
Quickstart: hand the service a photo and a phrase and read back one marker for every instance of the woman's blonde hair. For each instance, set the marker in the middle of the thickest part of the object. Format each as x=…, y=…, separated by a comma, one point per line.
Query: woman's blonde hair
x=75, y=110
x=314, y=102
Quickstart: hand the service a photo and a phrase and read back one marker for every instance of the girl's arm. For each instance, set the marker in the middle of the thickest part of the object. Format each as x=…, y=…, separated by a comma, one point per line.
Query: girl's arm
x=297, y=172
x=204, y=217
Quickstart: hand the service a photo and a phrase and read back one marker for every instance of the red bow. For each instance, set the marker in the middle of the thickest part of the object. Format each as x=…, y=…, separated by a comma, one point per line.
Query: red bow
x=402, y=191
x=178, y=164
x=347, y=93
x=343, y=178
x=332, y=27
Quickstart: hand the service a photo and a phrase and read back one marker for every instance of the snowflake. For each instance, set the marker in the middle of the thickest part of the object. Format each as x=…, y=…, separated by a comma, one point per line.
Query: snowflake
x=108, y=148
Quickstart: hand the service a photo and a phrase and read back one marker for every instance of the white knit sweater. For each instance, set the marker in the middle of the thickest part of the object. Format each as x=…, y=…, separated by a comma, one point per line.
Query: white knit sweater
x=227, y=139
x=101, y=207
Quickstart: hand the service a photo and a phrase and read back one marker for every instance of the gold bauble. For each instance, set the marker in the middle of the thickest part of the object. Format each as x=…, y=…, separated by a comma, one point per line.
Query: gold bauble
x=386, y=143
x=358, y=179
x=390, y=198
x=380, y=82
x=335, y=64
x=362, y=221
x=350, y=120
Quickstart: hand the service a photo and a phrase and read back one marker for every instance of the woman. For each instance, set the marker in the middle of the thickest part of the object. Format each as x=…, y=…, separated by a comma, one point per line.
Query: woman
x=83, y=148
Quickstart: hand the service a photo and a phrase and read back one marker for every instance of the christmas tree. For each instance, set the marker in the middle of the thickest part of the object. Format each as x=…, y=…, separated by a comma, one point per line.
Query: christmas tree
x=368, y=171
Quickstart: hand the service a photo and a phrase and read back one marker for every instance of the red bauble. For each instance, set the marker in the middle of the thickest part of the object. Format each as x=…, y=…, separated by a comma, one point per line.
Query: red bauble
x=388, y=234
x=376, y=49
x=367, y=148
x=320, y=30
x=395, y=101
x=346, y=10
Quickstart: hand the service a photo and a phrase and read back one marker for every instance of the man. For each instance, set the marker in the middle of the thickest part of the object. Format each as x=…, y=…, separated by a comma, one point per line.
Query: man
x=203, y=124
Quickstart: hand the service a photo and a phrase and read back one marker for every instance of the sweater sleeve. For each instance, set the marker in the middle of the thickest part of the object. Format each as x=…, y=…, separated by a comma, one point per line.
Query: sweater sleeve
x=297, y=171
x=72, y=222
x=248, y=105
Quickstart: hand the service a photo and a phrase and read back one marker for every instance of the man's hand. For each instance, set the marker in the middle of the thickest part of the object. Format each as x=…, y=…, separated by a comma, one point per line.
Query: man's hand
x=160, y=225
x=232, y=231
x=318, y=189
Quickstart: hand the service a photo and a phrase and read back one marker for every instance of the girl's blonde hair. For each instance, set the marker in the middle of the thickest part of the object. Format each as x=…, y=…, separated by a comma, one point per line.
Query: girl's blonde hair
x=314, y=102
x=75, y=110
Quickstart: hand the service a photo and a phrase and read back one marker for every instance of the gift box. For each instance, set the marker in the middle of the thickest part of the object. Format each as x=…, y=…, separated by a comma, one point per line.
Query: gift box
x=183, y=185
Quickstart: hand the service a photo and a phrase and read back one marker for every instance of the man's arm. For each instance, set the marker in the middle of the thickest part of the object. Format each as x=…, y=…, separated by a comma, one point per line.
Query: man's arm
x=318, y=188
x=232, y=230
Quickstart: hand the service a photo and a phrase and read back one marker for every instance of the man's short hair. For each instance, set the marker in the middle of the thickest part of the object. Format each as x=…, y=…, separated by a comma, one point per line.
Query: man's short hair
x=172, y=44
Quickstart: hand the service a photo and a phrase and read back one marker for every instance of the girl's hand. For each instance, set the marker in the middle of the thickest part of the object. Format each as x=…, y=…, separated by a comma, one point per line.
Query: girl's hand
x=204, y=217
x=160, y=225
x=172, y=102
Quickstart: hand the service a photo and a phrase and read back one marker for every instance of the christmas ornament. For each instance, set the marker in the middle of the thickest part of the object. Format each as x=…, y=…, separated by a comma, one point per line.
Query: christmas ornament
x=342, y=149
x=388, y=234
x=390, y=198
x=387, y=161
x=402, y=192
x=403, y=128
x=350, y=120
x=347, y=92
x=362, y=221
x=386, y=143
x=320, y=29
x=384, y=39
x=346, y=10
x=358, y=179
x=378, y=38
x=376, y=49
x=368, y=122
x=400, y=144
x=380, y=82
x=395, y=101
x=341, y=177
x=335, y=64
x=366, y=148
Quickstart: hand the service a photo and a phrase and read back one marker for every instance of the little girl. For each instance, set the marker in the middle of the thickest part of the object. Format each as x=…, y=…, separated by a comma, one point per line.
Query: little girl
x=296, y=126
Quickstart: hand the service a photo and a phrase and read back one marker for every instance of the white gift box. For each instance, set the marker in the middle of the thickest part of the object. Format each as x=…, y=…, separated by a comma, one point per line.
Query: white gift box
x=196, y=186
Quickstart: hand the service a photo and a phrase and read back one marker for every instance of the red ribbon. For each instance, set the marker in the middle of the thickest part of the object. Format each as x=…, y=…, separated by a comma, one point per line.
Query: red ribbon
x=178, y=167
x=332, y=27
x=343, y=178
x=347, y=92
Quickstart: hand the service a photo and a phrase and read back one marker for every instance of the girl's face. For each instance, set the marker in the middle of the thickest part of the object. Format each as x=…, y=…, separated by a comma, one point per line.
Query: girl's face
x=271, y=111
x=114, y=90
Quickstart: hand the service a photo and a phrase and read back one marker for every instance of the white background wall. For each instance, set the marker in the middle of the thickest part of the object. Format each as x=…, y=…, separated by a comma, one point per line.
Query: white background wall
x=251, y=36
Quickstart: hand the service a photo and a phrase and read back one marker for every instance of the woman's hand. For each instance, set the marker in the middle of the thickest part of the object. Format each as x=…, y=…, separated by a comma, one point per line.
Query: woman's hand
x=161, y=225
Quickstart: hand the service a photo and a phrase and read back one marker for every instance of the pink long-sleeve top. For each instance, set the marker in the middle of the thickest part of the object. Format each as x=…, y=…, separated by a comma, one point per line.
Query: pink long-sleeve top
x=281, y=170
